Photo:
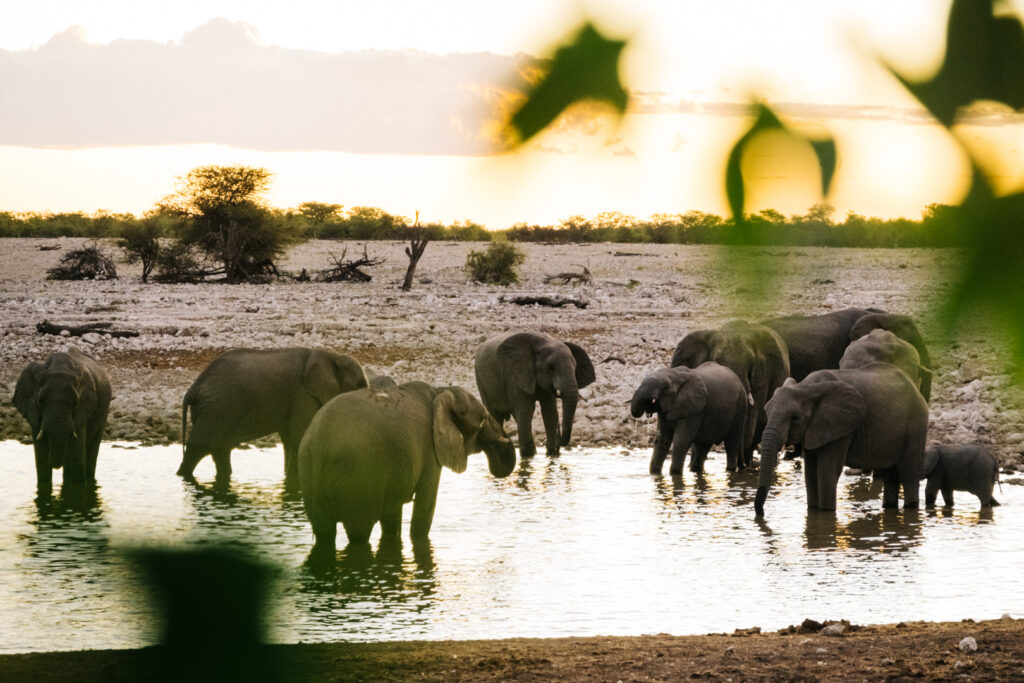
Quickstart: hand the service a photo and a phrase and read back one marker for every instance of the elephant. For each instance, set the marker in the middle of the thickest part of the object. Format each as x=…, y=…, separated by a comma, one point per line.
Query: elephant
x=699, y=407
x=368, y=452
x=883, y=346
x=516, y=370
x=966, y=467
x=817, y=342
x=65, y=400
x=872, y=417
x=244, y=394
x=378, y=380
x=755, y=353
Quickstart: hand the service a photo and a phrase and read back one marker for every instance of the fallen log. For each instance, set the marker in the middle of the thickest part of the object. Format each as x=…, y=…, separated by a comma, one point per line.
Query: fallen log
x=553, y=302
x=46, y=327
x=568, y=277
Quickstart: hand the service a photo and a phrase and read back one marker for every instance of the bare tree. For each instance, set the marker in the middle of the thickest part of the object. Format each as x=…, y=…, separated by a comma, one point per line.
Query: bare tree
x=417, y=244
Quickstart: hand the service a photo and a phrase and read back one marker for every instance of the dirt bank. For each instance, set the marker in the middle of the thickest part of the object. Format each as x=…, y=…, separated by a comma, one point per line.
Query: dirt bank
x=920, y=650
x=643, y=299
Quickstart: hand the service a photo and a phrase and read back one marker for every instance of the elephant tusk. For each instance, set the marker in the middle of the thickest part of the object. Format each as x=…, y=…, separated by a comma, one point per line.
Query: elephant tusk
x=39, y=436
x=750, y=398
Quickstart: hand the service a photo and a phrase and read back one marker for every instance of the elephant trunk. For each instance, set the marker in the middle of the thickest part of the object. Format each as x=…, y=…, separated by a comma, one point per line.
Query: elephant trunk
x=772, y=441
x=645, y=398
x=501, y=454
x=569, y=400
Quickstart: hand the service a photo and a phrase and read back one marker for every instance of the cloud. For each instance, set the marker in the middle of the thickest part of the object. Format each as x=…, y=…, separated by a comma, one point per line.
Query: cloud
x=219, y=84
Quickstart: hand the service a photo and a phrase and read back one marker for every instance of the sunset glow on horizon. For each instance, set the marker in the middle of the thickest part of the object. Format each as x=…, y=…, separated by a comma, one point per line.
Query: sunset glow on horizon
x=106, y=105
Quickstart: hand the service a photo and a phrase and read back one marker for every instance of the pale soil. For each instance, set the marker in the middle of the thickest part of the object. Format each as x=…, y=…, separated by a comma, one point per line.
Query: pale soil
x=900, y=652
x=643, y=299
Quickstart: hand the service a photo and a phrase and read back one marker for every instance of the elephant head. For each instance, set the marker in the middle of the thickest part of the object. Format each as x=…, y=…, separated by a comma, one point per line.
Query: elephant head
x=55, y=398
x=813, y=414
x=931, y=461
x=883, y=346
x=463, y=426
x=536, y=363
x=327, y=374
x=903, y=327
x=673, y=393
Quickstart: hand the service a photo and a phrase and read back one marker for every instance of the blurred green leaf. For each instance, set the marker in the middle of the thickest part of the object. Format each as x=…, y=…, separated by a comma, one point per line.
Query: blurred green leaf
x=585, y=68
x=766, y=120
x=984, y=61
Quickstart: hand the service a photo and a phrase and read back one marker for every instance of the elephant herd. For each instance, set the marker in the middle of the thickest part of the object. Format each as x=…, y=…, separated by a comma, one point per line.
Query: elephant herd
x=848, y=388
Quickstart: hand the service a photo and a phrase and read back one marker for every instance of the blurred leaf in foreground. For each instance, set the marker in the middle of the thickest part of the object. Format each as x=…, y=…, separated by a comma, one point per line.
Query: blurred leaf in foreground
x=585, y=68
x=766, y=120
x=984, y=61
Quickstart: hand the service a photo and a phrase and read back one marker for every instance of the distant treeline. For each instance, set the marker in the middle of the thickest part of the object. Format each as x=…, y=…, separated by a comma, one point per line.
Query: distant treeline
x=938, y=227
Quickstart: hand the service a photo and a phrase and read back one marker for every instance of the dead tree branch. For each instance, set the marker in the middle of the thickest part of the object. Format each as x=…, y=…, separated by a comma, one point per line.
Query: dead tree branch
x=566, y=278
x=417, y=244
x=348, y=271
x=553, y=302
x=47, y=327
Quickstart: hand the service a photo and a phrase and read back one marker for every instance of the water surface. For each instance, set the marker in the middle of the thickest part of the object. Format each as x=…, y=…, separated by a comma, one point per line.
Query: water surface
x=581, y=545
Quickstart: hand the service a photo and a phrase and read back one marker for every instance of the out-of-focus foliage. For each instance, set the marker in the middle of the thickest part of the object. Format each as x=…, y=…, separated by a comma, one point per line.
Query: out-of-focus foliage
x=497, y=265
x=585, y=68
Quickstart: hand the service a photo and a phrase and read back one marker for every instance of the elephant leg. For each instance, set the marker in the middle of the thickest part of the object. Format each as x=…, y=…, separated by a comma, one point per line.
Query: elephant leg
x=830, y=467
x=291, y=456
x=549, y=413
x=423, y=502
x=909, y=469
x=222, y=461
x=391, y=522
x=699, y=456
x=662, y=444
x=682, y=439
x=734, y=445
x=891, y=488
x=191, y=458
x=358, y=532
x=75, y=468
x=524, y=425
x=44, y=473
x=811, y=479
x=931, y=490
x=947, y=496
x=325, y=535
x=92, y=451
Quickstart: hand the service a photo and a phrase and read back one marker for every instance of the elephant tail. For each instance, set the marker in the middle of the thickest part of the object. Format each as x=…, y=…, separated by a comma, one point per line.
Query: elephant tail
x=185, y=403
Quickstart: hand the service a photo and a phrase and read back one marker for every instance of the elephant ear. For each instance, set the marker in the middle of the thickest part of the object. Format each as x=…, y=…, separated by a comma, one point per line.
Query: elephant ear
x=450, y=413
x=25, y=393
x=694, y=349
x=518, y=362
x=585, y=375
x=772, y=367
x=838, y=412
x=685, y=395
x=319, y=377
x=349, y=373
x=931, y=461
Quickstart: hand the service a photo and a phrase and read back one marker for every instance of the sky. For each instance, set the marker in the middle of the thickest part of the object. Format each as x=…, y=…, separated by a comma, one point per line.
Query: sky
x=104, y=104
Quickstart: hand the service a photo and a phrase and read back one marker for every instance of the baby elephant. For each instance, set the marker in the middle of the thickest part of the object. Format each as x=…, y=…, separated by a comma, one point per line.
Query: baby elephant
x=959, y=468
x=698, y=407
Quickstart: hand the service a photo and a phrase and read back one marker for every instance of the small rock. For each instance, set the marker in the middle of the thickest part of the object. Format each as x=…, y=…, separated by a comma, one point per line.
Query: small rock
x=833, y=630
x=92, y=338
x=1006, y=617
x=888, y=661
x=822, y=650
x=957, y=665
x=968, y=644
x=812, y=625
x=805, y=641
x=731, y=650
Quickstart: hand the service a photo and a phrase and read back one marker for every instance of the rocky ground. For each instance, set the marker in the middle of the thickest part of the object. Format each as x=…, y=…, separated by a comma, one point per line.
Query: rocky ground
x=641, y=301
x=961, y=651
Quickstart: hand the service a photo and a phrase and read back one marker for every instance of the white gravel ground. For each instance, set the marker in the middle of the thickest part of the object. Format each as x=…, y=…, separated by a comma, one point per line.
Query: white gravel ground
x=643, y=299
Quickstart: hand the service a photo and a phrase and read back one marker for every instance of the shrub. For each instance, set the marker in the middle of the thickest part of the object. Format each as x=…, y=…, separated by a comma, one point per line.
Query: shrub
x=178, y=262
x=497, y=265
x=140, y=242
x=84, y=264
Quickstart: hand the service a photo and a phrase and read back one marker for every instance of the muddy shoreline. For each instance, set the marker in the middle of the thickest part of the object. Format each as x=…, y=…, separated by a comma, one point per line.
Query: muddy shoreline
x=895, y=652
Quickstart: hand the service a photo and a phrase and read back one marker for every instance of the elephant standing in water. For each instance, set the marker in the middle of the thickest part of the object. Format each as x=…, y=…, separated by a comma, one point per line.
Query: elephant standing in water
x=699, y=407
x=882, y=346
x=246, y=393
x=368, y=452
x=817, y=342
x=65, y=400
x=869, y=418
x=517, y=370
x=966, y=467
x=755, y=353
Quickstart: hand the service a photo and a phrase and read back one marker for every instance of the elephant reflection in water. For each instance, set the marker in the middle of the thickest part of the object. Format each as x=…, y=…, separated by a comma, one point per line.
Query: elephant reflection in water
x=886, y=531
x=70, y=539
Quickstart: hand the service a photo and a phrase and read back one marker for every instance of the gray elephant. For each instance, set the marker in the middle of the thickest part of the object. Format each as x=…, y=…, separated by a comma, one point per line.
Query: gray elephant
x=377, y=380
x=868, y=418
x=244, y=394
x=882, y=346
x=368, y=452
x=65, y=400
x=817, y=342
x=699, y=407
x=966, y=467
x=755, y=353
x=517, y=370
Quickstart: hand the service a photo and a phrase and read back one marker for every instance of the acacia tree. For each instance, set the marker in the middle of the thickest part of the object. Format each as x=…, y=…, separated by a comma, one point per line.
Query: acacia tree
x=225, y=216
